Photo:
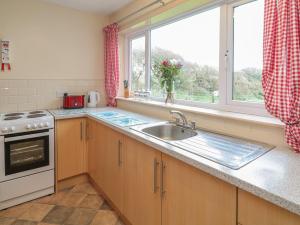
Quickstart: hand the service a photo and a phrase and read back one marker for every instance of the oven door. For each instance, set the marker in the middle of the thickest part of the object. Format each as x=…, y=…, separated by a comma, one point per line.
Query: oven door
x=26, y=154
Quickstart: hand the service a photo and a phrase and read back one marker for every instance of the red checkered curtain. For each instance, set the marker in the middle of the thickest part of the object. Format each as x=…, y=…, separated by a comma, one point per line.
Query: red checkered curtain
x=281, y=72
x=111, y=63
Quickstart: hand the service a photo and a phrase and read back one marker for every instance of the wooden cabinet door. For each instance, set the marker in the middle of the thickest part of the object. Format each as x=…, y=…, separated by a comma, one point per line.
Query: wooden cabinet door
x=92, y=145
x=142, y=202
x=255, y=211
x=112, y=177
x=101, y=139
x=70, y=136
x=97, y=146
x=192, y=197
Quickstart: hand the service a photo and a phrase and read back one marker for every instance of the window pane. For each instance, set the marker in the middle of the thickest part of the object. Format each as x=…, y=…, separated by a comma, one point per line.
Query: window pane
x=195, y=43
x=248, y=51
x=138, y=64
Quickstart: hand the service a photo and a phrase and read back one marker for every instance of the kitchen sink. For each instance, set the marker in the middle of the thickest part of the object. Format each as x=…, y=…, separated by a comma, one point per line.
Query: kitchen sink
x=169, y=132
x=225, y=150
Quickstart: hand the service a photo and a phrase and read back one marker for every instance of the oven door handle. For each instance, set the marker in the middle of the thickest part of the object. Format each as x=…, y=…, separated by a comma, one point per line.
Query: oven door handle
x=23, y=137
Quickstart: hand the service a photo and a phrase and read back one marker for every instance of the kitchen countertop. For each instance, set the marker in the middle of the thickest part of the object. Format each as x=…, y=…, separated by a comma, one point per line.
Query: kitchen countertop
x=273, y=176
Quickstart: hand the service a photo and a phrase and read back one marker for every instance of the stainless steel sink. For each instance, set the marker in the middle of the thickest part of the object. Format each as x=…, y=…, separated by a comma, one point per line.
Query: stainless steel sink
x=227, y=151
x=169, y=132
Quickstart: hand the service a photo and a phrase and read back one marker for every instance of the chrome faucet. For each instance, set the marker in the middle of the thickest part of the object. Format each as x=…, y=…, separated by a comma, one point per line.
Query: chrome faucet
x=184, y=120
x=181, y=115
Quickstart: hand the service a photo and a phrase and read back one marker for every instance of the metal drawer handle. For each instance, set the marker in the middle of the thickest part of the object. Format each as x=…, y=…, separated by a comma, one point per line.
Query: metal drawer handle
x=87, y=133
x=120, y=153
x=81, y=130
x=162, y=188
x=155, y=165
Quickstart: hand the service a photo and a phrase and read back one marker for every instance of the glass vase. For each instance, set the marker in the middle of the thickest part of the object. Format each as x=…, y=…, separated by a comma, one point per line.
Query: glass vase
x=169, y=97
x=170, y=92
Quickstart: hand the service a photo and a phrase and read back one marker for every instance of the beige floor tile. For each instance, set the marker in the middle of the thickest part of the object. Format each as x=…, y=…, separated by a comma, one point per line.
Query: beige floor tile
x=57, y=198
x=58, y=215
x=81, y=216
x=47, y=223
x=43, y=200
x=119, y=222
x=84, y=188
x=24, y=222
x=36, y=212
x=52, y=199
x=76, y=206
x=15, y=211
x=92, y=202
x=105, y=206
x=6, y=221
x=105, y=217
x=72, y=199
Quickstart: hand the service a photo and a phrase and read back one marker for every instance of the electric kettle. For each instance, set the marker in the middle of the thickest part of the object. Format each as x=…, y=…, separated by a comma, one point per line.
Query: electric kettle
x=93, y=99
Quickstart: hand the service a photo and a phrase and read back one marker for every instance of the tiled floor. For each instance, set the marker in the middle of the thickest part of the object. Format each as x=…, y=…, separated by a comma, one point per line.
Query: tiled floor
x=80, y=205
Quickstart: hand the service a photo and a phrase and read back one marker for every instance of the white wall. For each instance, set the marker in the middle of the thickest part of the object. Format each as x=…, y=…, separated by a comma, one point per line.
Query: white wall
x=54, y=49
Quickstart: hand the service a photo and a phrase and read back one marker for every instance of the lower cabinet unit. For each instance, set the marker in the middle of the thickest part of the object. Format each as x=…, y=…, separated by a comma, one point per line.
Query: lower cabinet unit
x=192, y=197
x=71, y=148
x=113, y=167
x=93, y=151
x=255, y=211
x=151, y=188
x=142, y=202
x=105, y=147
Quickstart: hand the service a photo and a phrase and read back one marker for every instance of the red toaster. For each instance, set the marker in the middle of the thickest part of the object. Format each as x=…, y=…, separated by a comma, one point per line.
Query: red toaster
x=73, y=101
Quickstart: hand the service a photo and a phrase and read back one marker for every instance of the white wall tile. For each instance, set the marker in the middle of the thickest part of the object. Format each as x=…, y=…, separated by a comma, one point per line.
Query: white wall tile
x=16, y=99
x=23, y=95
x=4, y=84
x=27, y=106
x=18, y=83
x=8, y=91
x=8, y=108
x=27, y=91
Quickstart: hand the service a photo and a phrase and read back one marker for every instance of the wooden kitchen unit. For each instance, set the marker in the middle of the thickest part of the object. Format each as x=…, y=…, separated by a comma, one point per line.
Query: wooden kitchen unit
x=142, y=183
x=151, y=188
x=71, y=150
x=191, y=196
x=256, y=211
x=145, y=185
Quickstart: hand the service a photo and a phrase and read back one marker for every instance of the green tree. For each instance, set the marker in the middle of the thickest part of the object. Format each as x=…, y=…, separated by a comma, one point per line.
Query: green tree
x=197, y=82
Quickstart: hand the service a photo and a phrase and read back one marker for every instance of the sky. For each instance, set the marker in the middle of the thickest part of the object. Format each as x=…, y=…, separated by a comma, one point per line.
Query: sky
x=197, y=38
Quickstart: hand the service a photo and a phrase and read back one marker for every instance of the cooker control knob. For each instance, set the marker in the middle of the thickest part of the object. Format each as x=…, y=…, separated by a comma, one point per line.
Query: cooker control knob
x=28, y=126
x=41, y=125
x=34, y=125
x=47, y=124
x=4, y=130
x=12, y=129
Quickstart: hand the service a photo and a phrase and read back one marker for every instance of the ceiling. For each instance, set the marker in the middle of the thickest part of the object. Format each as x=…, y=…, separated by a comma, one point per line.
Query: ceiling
x=99, y=6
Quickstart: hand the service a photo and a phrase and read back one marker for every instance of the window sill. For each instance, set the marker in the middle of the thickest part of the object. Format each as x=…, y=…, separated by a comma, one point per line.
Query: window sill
x=269, y=121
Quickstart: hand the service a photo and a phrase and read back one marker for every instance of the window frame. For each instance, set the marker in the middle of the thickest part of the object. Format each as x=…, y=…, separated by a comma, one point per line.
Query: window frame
x=226, y=102
x=128, y=58
x=230, y=65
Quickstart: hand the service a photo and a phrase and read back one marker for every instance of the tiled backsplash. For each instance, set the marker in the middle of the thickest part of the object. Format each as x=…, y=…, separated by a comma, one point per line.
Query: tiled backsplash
x=23, y=95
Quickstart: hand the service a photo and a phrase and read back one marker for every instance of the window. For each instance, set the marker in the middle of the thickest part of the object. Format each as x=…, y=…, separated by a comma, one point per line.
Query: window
x=248, y=52
x=196, y=47
x=220, y=47
x=138, y=68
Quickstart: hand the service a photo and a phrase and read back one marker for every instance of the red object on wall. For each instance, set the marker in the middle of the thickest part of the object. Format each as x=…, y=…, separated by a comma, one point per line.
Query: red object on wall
x=73, y=101
x=5, y=59
x=3, y=66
